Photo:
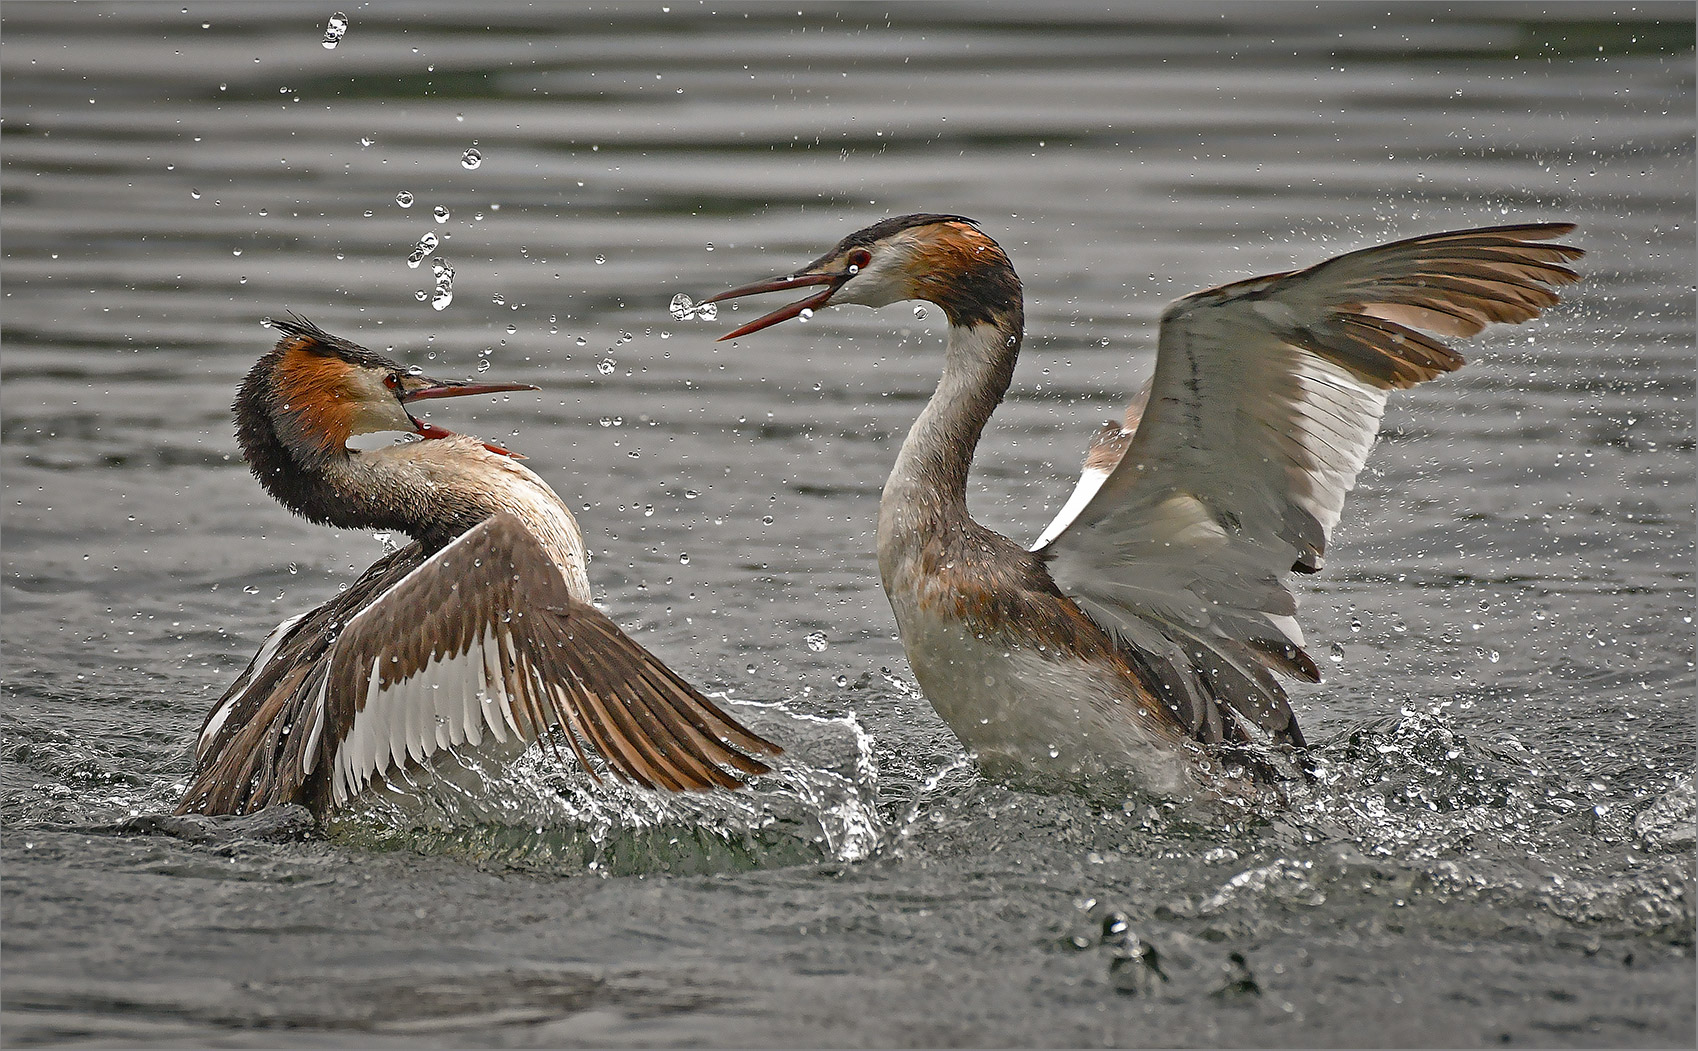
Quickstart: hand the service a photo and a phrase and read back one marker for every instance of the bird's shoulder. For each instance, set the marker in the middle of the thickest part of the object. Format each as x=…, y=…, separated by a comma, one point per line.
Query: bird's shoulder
x=1001, y=590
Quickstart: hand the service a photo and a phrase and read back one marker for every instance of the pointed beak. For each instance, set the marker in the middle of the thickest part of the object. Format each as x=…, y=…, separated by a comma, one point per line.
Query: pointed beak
x=779, y=284
x=418, y=388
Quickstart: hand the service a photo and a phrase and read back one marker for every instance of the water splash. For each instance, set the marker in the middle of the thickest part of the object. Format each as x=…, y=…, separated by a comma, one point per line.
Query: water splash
x=426, y=245
x=334, y=30
x=683, y=308
x=444, y=275
x=1670, y=823
x=543, y=813
x=905, y=826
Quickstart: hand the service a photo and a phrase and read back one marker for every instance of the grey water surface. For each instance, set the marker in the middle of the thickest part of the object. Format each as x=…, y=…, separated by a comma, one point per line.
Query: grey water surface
x=1501, y=852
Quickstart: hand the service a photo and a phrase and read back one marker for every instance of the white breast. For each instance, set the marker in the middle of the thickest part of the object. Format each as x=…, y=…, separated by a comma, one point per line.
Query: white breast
x=1046, y=721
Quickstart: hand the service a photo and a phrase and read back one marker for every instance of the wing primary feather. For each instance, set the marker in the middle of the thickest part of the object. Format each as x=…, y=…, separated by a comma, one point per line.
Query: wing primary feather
x=1266, y=399
x=632, y=739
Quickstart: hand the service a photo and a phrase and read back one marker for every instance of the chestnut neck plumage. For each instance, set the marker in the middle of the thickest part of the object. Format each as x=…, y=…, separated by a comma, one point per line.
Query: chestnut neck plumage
x=428, y=490
x=926, y=493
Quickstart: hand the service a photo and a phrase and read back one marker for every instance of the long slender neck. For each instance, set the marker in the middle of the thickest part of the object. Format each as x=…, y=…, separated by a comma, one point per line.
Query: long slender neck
x=927, y=489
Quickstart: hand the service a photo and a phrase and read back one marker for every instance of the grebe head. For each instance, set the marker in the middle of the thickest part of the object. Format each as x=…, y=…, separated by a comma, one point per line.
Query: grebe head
x=942, y=259
x=321, y=390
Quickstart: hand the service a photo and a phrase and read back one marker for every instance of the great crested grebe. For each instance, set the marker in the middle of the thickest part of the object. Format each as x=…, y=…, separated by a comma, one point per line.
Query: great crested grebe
x=478, y=637
x=1144, y=629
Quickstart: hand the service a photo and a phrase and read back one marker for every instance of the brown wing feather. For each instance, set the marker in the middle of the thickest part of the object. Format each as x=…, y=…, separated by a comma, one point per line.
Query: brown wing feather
x=255, y=758
x=601, y=686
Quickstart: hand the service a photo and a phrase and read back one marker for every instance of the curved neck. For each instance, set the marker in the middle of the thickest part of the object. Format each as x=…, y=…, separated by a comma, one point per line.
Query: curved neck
x=928, y=485
x=409, y=490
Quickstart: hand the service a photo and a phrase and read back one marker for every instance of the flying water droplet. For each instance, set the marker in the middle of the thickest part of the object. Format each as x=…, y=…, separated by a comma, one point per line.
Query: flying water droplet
x=606, y=366
x=600, y=259
x=444, y=293
x=817, y=641
x=404, y=199
x=426, y=245
x=471, y=159
x=441, y=214
x=684, y=559
x=334, y=30
x=919, y=312
x=1336, y=653
x=806, y=315
x=682, y=307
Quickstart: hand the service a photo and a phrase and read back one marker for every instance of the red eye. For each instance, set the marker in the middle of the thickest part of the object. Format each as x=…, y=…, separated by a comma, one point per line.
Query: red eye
x=392, y=381
x=858, y=260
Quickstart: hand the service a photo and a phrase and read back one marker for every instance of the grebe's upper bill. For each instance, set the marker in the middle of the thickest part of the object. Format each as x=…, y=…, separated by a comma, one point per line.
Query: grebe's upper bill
x=832, y=281
x=1266, y=398
x=482, y=639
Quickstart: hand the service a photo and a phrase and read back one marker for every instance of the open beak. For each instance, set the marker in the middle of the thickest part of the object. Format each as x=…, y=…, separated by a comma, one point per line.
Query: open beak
x=779, y=284
x=418, y=388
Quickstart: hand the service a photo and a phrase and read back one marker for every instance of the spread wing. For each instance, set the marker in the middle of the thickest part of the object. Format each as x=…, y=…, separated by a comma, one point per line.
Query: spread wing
x=1266, y=398
x=482, y=641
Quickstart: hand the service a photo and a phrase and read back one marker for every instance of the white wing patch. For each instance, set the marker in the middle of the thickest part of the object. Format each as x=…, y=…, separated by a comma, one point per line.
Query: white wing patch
x=451, y=702
x=1090, y=480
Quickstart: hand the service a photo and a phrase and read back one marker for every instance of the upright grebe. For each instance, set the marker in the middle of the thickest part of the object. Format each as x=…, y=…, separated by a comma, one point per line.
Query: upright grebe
x=1148, y=622
x=479, y=637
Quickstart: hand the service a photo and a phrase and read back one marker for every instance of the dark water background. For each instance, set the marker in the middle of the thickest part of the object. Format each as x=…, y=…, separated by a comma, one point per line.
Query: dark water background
x=1504, y=854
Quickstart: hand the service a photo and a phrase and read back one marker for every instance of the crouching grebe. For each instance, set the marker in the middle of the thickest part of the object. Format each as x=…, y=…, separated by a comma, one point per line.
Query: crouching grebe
x=480, y=636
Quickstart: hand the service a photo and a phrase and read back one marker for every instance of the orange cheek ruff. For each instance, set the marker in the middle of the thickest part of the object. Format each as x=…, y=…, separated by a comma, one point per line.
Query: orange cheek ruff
x=315, y=389
x=944, y=258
